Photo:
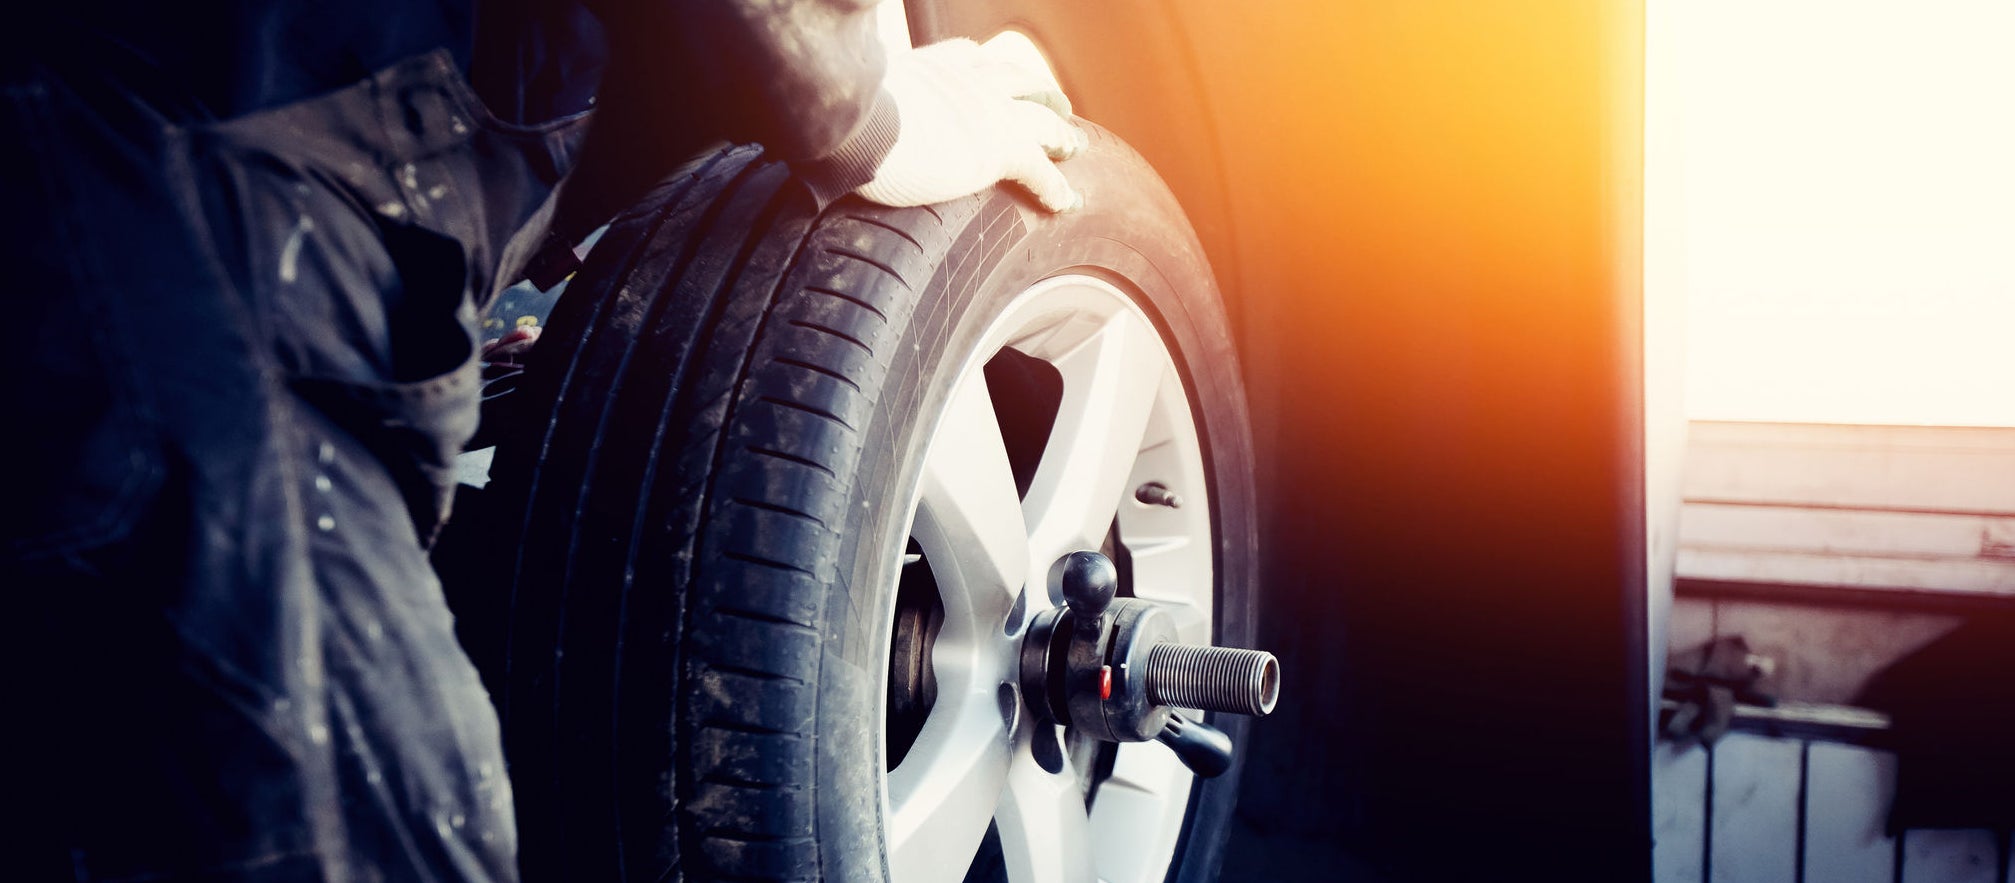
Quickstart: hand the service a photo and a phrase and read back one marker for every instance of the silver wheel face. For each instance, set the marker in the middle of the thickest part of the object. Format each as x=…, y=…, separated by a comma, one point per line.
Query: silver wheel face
x=988, y=538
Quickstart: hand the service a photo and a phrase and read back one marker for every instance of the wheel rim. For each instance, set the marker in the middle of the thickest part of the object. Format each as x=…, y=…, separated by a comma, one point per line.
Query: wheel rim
x=988, y=518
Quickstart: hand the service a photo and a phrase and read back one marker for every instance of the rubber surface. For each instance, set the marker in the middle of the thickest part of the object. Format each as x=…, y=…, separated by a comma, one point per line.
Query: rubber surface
x=708, y=525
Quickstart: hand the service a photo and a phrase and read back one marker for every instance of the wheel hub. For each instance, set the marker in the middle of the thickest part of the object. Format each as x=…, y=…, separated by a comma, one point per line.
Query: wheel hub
x=1111, y=669
x=1068, y=427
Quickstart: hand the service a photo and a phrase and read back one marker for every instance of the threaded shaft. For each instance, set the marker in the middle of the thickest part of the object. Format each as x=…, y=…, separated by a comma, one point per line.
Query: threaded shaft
x=1222, y=679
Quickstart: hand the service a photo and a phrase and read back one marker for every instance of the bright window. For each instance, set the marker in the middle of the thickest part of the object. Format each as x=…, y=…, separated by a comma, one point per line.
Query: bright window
x=1838, y=181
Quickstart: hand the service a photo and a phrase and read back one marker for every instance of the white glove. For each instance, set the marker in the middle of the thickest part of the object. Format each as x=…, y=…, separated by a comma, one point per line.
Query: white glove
x=973, y=115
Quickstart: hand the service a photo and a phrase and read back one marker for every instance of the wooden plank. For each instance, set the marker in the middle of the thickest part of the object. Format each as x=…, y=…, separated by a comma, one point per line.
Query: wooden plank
x=1860, y=436
x=1972, y=575
x=1916, y=468
x=1847, y=795
x=1678, y=813
x=1848, y=531
x=1934, y=856
x=1840, y=721
x=1755, y=823
x=1889, y=509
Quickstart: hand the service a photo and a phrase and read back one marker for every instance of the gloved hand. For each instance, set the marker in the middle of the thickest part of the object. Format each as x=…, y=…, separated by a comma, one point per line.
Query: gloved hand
x=972, y=115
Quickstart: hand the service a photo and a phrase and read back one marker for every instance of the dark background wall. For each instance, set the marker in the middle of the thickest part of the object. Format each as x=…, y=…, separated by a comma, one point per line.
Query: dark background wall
x=1426, y=217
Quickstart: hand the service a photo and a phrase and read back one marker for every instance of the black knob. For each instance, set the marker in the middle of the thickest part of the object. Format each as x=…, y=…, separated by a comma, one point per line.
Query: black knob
x=1087, y=581
x=1205, y=749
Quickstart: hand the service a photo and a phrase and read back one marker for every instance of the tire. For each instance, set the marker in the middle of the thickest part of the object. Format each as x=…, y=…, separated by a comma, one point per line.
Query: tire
x=713, y=525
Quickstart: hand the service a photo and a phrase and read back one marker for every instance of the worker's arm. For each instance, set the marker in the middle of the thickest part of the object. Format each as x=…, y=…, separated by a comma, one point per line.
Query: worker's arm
x=808, y=79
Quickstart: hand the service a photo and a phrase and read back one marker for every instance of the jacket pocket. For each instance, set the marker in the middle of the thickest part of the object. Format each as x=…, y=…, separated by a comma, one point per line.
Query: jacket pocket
x=415, y=419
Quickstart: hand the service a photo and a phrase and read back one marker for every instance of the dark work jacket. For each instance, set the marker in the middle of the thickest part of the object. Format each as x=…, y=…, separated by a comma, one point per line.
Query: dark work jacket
x=665, y=77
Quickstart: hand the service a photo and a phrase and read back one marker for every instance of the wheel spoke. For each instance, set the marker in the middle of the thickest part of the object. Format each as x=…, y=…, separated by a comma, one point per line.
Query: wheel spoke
x=1044, y=829
x=969, y=520
x=1148, y=789
x=1109, y=386
x=945, y=792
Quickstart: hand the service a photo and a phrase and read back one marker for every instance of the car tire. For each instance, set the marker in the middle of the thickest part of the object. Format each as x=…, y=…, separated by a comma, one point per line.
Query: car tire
x=710, y=521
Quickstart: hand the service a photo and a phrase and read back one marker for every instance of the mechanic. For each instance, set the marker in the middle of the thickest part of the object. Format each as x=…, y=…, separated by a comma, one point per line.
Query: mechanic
x=247, y=242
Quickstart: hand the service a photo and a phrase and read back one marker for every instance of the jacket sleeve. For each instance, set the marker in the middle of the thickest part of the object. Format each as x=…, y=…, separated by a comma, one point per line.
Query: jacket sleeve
x=801, y=77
